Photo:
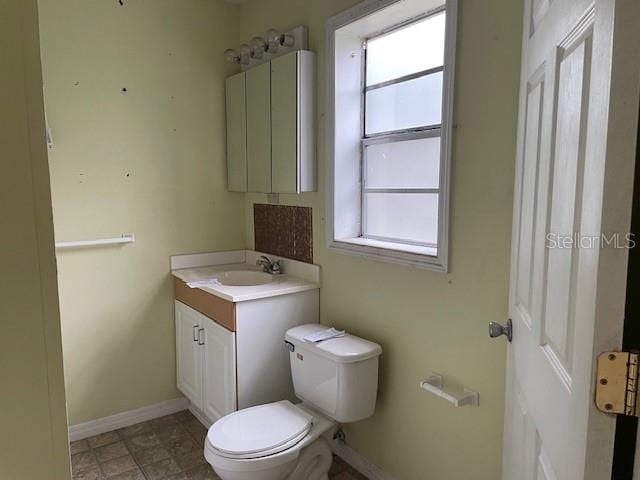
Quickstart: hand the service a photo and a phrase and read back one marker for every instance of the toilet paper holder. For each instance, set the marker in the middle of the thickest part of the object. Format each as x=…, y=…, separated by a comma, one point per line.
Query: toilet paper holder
x=435, y=384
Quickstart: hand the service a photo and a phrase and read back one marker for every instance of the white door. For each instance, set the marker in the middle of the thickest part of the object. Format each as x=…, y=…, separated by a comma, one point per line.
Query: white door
x=188, y=353
x=576, y=148
x=219, y=374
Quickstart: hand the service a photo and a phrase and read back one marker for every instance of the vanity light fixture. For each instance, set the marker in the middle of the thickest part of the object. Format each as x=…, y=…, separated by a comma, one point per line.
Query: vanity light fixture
x=263, y=48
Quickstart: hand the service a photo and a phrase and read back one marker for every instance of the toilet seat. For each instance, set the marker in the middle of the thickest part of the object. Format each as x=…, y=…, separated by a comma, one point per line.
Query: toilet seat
x=259, y=431
x=276, y=463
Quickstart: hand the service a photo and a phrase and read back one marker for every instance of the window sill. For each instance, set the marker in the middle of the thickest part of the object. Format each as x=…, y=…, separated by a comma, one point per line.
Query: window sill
x=412, y=255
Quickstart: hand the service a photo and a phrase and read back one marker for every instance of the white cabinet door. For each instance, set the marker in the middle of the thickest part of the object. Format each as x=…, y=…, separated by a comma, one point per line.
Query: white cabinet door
x=258, y=98
x=236, y=133
x=284, y=124
x=219, y=362
x=292, y=123
x=188, y=353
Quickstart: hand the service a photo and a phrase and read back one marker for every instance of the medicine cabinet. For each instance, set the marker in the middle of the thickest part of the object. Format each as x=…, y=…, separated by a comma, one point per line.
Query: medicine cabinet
x=270, y=126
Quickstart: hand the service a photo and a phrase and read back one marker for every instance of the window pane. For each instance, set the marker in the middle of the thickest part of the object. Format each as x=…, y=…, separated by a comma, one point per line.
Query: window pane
x=405, y=164
x=410, y=104
x=403, y=216
x=415, y=48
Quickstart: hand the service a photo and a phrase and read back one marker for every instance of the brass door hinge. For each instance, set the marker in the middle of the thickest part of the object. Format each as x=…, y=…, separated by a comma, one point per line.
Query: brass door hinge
x=617, y=383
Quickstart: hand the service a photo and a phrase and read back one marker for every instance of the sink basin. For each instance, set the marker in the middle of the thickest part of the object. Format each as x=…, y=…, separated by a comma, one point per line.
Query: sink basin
x=244, y=278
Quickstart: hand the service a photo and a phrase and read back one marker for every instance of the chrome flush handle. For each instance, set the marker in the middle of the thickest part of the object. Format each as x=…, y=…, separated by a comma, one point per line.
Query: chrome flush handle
x=496, y=330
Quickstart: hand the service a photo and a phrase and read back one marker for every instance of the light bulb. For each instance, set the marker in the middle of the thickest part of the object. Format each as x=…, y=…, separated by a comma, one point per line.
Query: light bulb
x=245, y=54
x=231, y=56
x=287, y=40
x=258, y=47
x=273, y=40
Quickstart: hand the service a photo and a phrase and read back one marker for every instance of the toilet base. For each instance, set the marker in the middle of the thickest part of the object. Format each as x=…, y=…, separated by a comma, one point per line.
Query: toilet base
x=311, y=462
x=314, y=462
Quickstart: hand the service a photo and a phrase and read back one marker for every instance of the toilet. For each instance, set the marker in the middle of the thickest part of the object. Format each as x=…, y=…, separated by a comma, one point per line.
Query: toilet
x=337, y=382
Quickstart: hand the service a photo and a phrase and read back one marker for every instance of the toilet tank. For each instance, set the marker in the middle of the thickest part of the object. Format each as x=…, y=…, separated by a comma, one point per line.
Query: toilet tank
x=339, y=376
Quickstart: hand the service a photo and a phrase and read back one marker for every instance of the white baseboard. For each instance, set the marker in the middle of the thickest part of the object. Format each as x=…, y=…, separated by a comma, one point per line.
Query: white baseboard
x=125, y=419
x=359, y=462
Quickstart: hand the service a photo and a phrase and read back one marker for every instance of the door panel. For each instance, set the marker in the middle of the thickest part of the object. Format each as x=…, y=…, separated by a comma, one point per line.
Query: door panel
x=566, y=299
x=565, y=207
x=517, y=459
x=236, y=108
x=544, y=469
x=524, y=279
x=219, y=370
x=284, y=123
x=258, y=81
x=188, y=354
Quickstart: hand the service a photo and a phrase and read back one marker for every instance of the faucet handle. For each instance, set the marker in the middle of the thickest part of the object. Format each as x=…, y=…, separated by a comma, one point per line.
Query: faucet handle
x=276, y=267
x=268, y=266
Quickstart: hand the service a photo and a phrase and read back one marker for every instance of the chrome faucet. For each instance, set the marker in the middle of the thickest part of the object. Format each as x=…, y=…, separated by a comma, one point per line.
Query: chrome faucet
x=274, y=268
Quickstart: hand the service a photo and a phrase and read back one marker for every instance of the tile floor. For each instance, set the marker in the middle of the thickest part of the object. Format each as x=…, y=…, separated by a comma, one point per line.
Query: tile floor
x=166, y=448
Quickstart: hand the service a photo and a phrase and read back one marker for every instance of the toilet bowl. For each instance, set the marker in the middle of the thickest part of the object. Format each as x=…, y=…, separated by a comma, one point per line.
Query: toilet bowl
x=337, y=381
x=275, y=441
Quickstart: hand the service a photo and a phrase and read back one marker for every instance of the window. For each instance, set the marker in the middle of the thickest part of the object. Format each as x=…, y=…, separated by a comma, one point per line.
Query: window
x=402, y=123
x=389, y=129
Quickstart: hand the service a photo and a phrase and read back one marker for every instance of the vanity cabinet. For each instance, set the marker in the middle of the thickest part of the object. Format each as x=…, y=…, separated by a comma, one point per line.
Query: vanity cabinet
x=278, y=102
x=205, y=357
x=232, y=355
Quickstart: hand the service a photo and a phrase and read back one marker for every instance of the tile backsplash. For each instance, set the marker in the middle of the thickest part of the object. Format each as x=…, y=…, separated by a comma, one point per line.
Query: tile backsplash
x=284, y=230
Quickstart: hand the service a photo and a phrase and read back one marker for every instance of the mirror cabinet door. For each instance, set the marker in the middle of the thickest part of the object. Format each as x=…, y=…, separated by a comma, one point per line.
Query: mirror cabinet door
x=259, y=128
x=236, y=133
x=284, y=123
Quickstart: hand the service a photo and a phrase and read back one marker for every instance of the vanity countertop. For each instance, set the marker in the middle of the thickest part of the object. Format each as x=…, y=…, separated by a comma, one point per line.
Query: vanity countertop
x=282, y=284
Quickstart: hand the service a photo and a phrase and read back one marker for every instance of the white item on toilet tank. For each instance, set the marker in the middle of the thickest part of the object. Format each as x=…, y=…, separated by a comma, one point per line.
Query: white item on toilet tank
x=338, y=376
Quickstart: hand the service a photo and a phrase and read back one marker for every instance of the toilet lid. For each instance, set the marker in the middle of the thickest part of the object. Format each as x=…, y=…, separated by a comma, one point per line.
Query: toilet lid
x=259, y=431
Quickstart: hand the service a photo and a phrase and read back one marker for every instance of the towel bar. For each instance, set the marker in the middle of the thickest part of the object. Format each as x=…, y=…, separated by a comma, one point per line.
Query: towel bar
x=124, y=238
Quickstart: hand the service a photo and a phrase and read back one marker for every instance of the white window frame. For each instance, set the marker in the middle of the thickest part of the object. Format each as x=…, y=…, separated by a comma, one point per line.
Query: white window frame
x=345, y=127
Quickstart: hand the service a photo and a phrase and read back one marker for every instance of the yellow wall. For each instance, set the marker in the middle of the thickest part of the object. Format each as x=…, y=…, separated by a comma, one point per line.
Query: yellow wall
x=149, y=161
x=424, y=320
x=33, y=443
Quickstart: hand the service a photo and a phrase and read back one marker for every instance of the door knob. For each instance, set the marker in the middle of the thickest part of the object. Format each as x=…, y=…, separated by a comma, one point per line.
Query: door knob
x=497, y=330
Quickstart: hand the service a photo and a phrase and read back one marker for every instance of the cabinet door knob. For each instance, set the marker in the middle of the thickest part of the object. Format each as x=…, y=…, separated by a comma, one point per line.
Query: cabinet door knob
x=200, y=340
x=195, y=333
